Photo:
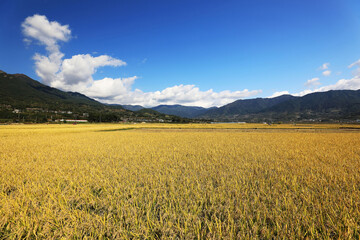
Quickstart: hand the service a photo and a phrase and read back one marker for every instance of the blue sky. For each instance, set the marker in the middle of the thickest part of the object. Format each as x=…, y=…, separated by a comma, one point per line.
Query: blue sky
x=187, y=52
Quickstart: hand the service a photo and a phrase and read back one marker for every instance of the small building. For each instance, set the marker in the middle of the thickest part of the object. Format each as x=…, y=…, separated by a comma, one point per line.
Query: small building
x=72, y=120
x=75, y=120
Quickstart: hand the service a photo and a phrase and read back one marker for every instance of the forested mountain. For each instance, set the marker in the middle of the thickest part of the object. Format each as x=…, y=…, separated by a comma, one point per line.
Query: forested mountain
x=319, y=106
x=20, y=91
x=182, y=111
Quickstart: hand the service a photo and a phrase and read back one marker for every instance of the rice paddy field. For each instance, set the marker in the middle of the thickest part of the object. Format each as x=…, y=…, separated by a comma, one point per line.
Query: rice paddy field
x=193, y=181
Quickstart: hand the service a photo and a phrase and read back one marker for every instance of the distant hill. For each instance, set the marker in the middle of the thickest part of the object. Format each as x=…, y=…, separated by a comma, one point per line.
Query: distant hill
x=24, y=99
x=182, y=111
x=132, y=107
x=249, y=106
x=319, y=106
x=177, y=110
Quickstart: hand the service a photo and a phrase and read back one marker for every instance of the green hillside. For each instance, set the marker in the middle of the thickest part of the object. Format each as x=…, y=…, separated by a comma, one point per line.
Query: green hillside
x=20, y=91
x=335, y=105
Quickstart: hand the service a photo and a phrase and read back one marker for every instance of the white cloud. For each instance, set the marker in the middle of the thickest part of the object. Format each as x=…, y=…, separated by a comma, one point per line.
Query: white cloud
x=357, y=71
x=75, y=73
x=109, y=88
x=48, y=66
x=47, y=33
x=304, y=92
x=72, y=74
x=324, y=66
x=80, y=68
x=277, y=94
x=312, y=82
x=356, y=63
x=342, y=84
x=326, y=73
x=350, y=84
x=188, y=95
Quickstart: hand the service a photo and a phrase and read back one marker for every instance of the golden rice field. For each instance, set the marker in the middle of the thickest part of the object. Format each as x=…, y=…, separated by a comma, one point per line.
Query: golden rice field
x=158, y=181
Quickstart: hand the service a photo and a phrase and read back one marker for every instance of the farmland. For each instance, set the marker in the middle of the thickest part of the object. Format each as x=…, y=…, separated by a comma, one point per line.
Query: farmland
x=193, y=181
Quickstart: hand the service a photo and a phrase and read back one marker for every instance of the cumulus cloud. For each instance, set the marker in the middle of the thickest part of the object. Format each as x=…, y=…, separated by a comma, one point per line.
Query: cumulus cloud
x=188, y=95
x=350, y=84
x=47, y=33
x=324, y=66
x=71, y=74
x=75, y=73
x=312, y=82
x=342, y=84
x=80, y=68
x=47, y=67
x=326, y=73
x=110, y=88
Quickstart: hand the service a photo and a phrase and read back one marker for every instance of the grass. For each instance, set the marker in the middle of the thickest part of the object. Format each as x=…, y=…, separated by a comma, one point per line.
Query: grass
x=157, y=181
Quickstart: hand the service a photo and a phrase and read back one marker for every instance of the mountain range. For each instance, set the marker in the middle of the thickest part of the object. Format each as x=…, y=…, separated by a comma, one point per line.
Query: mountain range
x=332, y=105
x=178, y=110
x=28, y=96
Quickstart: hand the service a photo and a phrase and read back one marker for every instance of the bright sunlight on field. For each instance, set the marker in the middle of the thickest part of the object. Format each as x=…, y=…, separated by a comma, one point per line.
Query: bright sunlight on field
x=232, y=181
